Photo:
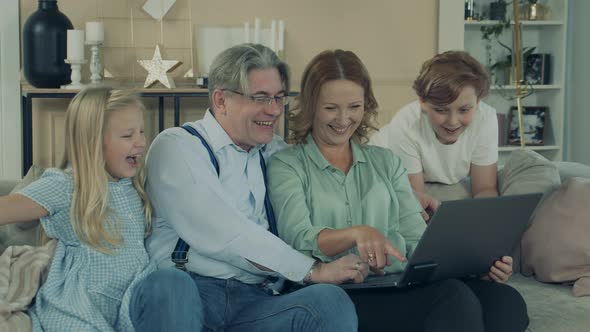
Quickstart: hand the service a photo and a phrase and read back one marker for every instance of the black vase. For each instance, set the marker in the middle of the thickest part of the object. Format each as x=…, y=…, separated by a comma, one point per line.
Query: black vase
x=45, y=46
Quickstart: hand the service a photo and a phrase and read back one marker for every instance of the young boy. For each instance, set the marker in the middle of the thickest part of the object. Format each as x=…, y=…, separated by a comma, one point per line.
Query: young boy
x=448, y=133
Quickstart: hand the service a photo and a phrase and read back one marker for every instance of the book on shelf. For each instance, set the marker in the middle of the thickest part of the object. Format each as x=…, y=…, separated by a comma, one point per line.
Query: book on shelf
x=502, y=132
x=538, y=68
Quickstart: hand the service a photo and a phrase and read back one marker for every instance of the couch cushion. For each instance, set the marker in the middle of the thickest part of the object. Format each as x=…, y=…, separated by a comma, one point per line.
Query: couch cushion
x=556, y=248
x=26, y=232
x=445, y=192
x=6, y=186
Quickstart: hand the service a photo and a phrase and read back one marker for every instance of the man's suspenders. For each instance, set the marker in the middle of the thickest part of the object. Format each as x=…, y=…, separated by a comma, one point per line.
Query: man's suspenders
x=180, y=253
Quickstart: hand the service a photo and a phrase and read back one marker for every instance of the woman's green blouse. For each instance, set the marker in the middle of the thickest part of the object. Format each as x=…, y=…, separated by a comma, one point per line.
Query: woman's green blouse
x=308, y=195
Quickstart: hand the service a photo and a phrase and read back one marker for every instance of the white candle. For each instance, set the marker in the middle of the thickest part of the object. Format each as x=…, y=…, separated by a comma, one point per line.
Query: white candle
x=273, y=35
x=246, y=32
x=94, y=32
x=256, y=30
x=281, y=35
x=75, y=43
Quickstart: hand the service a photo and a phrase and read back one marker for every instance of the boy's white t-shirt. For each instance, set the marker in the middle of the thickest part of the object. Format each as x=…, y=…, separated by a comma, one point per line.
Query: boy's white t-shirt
x=411, y=137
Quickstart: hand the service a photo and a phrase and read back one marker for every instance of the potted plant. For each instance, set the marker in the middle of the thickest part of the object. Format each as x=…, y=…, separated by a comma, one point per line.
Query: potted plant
x=491, y=33
x=501, y=71
x=505, y=67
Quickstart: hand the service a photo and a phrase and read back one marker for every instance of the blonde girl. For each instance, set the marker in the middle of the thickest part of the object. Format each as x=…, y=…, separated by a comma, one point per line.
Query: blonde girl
x=96, y=207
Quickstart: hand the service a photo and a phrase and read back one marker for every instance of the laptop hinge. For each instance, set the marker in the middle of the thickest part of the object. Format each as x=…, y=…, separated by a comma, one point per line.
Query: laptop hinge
x=420, y=273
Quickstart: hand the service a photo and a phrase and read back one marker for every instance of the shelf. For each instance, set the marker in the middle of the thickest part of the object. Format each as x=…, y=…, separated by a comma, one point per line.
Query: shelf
x=548, y=36
x=534, y=87
x=524, y=23
x=28, y=89
x=534, y=148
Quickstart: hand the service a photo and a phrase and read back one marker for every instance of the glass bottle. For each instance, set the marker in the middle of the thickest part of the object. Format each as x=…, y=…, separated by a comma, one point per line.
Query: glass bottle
x=44, y=46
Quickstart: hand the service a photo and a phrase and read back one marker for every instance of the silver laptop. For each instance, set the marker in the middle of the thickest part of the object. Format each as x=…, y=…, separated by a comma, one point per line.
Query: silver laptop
x=464, y=238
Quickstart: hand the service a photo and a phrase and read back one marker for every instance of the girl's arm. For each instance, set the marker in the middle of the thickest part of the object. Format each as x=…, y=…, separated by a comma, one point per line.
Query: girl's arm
x=428, y=202
x=484, y=180
x=16, y=208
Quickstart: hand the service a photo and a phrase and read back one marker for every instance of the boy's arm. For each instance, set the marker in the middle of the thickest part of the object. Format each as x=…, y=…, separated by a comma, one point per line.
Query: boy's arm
x=16, y=208
x=417, y=182
x=484, y=180
x=427, y=202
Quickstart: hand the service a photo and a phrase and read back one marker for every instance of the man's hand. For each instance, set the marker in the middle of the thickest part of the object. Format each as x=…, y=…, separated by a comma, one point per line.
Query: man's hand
x=345, y=269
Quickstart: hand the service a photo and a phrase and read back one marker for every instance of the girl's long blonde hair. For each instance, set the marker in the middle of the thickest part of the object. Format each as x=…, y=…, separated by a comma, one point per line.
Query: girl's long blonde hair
x=93, y=221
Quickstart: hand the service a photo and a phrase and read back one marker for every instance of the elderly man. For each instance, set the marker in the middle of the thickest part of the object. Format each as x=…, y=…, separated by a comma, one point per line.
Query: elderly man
x=207, y=185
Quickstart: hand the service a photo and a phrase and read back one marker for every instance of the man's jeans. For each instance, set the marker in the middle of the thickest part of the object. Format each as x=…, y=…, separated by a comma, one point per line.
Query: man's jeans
x=230, y=305
x=166, y=300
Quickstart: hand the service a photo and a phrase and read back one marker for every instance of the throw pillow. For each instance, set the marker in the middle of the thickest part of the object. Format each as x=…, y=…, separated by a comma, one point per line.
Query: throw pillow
x=527, y=172
x=556, y=247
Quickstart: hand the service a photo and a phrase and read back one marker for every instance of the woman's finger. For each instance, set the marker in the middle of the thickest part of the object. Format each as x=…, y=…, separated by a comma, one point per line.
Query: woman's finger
x=393, y=251
x=379, y=257
x=363, y=251
x=377, y=271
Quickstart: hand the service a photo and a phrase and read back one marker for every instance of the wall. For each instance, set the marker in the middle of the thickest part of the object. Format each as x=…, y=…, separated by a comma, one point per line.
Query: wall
x=10, y=118
x=392, y=37
x=578, y=111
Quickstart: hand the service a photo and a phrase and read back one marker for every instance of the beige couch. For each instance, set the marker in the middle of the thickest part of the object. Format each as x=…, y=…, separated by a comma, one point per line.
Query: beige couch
x=551, y=307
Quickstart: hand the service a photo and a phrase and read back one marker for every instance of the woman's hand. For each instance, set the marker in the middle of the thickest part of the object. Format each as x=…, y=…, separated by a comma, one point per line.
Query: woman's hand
x=374, y=248
x=428, y=203
x=345, y=269
x=501, y=270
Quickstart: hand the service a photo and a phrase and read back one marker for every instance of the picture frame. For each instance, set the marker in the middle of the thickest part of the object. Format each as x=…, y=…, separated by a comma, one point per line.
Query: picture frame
x=502, y=128
x=534, y=122
x=537, y=68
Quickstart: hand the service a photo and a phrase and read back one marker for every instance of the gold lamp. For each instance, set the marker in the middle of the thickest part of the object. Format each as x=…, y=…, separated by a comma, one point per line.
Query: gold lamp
x=520, y=91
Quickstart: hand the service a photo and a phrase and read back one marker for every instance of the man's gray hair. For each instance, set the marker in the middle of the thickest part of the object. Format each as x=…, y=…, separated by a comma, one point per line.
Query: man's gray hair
x=230, y=68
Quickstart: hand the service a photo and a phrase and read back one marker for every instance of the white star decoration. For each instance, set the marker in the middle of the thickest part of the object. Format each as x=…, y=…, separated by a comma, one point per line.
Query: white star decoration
x=107, y=74
x=158, y=8
x=158, y=69
x=189, y=74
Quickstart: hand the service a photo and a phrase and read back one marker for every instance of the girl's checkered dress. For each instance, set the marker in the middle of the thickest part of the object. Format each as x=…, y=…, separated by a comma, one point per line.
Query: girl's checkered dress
x=85, y=289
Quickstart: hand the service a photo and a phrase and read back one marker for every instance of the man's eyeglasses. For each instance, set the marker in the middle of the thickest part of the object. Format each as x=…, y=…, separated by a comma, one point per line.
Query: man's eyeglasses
x=263, y=99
